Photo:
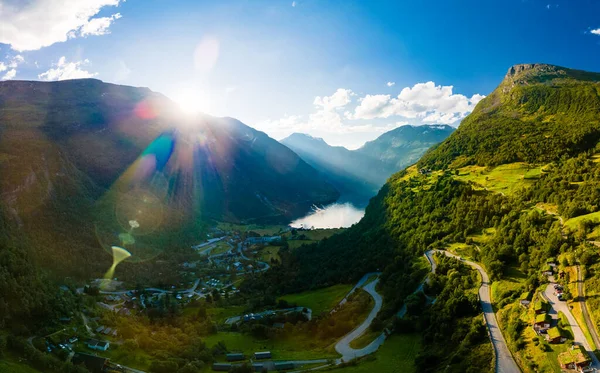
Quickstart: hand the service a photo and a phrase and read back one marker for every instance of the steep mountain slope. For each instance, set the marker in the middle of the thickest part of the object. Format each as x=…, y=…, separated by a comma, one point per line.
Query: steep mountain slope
x=358, y=174
x=94, y=156
x=404, y=145
x=543, y=117
x=537, y=114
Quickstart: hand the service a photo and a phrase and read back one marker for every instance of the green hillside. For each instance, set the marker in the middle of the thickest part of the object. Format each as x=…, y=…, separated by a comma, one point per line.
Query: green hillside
x=538, y=114
x=530, y=143
x=81, y=159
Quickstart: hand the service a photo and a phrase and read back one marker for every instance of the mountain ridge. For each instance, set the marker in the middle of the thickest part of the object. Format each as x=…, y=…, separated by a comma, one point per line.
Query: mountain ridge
x=359, y=173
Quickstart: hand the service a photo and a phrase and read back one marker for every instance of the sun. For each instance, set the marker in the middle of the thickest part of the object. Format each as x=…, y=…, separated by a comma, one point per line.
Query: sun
x=192, y=102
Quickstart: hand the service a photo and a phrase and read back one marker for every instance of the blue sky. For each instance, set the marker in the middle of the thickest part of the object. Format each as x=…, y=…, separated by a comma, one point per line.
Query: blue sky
x=314, y=66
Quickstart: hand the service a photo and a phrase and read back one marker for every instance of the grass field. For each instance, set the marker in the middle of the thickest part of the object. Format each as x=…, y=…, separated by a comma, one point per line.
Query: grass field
x=512, y=281
x=11, y=364
x=576, y=306
x=365, y=339
x=282, y=349
x=463, y=250
x=268, y=253
x=396, y=355
x=485, y=235
x=137, y=359
x=220, y=248
x=294, y=244
x=260, y=229
x=220, y=314
x=321, y=300
x=506, y=178
x=573, y=223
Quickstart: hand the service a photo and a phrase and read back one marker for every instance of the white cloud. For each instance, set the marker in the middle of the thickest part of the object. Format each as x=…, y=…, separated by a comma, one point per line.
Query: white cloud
x=16, y=61
x=293, y=4
x=339, y=99
x=67, y=70
x=98, y=26
x=424, y=101
x=596, y=31
x=9, y=75
x=11, y=63
x=34, y=24
x=390, y=84
x=337, y=116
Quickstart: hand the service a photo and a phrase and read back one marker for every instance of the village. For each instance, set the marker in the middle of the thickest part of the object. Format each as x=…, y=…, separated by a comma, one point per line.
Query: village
x=549, y=321
x=224, y=258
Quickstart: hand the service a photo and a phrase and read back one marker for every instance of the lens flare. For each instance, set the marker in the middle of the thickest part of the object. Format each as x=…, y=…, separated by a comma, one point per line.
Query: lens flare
x=119, y=255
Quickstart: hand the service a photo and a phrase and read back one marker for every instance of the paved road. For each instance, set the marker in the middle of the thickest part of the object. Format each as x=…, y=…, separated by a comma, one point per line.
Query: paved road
x=560, y=306
x=343, y=346
x=359, y=284
x=584, y=309
x=504, y=360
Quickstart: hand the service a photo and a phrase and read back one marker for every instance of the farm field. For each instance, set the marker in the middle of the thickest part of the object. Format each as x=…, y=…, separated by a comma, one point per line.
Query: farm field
x=321, y=300
x=396, y=355
x=506, y=178
x=281, y=349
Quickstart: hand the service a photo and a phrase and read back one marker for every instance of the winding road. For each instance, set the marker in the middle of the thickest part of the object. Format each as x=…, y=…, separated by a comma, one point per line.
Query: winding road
x=504, y=360
x=343, y=346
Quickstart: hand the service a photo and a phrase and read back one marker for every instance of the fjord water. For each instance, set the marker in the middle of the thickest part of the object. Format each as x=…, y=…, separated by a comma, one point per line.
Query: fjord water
x=337, y=215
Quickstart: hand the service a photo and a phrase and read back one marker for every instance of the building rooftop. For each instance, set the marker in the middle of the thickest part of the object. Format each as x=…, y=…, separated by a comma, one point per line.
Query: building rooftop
x=575, y=355
x=554, y=333
x=542, y=317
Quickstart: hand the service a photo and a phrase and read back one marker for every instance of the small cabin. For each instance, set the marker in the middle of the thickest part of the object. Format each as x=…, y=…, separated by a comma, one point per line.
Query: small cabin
x=284, y=366
x=221, y=367
x=525, y=299
x=262, y=355
x=540, y=306
x=555, y=336
x=542, y=322
x=576, y=358
x=235, y=357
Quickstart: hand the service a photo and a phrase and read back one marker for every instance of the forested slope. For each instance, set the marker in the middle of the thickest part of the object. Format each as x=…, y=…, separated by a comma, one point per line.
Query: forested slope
x=542, y=115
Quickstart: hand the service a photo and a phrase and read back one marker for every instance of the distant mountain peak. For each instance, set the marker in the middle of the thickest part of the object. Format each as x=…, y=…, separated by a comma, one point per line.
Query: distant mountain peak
x=300, y=135
x=530, y=73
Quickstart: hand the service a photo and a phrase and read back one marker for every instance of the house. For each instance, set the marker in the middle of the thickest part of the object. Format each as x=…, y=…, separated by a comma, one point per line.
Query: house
x=540, y=306
x=548, y=270
x=99, y=329
x=222, y=367
x=262, y=355
x=525, y=299
x=284, y=366
x=542, y=322
x=95, y=364
x=551, y=262
x=258, y=367
x=555, y=336
x=575, y=358
x=235, y=357
x=98, y=345
x=107, y=331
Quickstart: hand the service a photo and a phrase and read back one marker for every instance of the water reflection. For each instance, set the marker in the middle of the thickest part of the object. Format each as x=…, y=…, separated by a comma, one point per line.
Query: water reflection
x=337, y=215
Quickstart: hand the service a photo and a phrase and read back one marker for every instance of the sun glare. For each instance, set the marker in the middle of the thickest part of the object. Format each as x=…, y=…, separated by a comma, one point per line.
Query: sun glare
x=192, y=102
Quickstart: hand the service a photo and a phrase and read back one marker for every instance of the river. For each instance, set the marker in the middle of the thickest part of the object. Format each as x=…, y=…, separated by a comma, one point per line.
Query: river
x=337, y=215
